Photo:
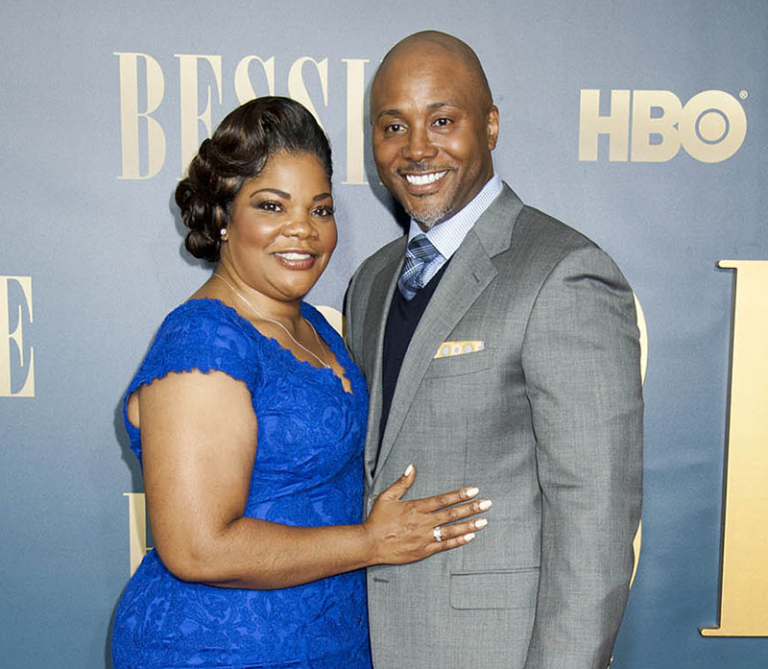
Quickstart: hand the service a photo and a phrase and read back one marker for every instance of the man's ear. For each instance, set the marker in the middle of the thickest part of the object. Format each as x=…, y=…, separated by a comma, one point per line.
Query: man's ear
x=492, y=127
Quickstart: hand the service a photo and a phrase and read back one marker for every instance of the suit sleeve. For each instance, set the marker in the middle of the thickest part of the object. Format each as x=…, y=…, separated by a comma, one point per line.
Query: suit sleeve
x=581, y=361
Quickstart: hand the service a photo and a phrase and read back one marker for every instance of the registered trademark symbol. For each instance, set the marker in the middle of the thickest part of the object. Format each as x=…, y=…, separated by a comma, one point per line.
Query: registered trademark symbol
x=743, y=95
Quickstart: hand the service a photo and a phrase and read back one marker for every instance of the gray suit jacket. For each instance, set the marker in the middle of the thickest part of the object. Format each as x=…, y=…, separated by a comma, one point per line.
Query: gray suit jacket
x=546, y=421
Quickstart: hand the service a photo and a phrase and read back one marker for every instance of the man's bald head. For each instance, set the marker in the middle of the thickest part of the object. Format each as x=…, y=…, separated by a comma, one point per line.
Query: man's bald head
x=430, y=42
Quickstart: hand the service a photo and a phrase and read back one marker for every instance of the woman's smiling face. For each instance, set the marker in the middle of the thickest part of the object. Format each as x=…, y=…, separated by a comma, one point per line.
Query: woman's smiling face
x=281, y=231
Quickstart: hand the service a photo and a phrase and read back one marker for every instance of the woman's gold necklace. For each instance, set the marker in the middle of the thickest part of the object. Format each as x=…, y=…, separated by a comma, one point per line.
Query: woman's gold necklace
x=279, y=324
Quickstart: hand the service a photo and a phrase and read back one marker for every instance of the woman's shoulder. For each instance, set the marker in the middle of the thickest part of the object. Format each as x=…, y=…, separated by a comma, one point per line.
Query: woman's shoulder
x=205, y=320
x=200, y=334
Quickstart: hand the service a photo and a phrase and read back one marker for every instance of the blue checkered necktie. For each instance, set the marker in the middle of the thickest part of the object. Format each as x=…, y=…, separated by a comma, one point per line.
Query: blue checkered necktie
x=419, y=254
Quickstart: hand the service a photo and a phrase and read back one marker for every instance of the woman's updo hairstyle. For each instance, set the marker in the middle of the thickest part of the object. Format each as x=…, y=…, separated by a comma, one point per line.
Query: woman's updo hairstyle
x=239, y=149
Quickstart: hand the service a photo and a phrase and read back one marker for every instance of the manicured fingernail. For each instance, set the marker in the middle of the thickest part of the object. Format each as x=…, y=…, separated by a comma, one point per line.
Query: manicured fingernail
x=471, y=492
x=409, y=470
x=485, y=505
x=480, y=524
x=469, y=537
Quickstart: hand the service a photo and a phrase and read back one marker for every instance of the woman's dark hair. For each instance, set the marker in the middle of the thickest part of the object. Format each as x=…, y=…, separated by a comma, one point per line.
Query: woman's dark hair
x=239, y=149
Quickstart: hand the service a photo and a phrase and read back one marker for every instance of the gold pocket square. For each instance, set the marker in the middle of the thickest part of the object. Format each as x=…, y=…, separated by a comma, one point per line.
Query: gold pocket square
x=450, y=348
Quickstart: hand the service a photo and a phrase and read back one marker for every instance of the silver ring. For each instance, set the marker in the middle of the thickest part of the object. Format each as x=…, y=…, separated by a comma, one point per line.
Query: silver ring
x=438, y=534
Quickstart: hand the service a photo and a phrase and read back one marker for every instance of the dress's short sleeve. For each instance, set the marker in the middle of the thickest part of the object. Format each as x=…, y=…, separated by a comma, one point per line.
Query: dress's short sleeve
x=203, y=335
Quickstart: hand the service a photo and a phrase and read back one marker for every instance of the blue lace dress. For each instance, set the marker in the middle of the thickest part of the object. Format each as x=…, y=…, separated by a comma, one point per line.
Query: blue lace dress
x=307, y=472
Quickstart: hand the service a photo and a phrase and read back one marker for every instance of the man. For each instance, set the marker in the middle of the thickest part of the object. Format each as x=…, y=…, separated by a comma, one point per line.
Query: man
x=502, y=353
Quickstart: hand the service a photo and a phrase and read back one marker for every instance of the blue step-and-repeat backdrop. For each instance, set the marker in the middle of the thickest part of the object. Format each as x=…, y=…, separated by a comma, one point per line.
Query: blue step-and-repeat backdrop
x=643, y=124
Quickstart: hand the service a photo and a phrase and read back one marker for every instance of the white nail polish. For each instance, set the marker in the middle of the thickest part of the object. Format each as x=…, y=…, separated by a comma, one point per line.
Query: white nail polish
x=471, y=492
x=469, y=537
x=485, y=505
x=409, y=470
x=479, y=524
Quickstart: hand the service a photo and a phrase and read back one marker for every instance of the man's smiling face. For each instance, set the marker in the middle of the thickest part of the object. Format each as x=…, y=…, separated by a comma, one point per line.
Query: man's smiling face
x=432, y=133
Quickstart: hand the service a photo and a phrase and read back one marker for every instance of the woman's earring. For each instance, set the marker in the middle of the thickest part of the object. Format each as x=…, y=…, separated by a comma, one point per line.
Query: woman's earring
x=223, y=233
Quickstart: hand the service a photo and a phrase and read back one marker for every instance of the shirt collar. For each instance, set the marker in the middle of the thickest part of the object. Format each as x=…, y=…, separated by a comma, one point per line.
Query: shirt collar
x=447, y=236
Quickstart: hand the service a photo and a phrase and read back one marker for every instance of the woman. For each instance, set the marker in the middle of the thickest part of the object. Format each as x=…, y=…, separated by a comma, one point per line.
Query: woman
x=249, y=419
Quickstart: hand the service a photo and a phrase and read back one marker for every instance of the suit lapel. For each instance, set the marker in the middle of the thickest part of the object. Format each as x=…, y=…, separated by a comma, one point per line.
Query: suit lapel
x=374, y=326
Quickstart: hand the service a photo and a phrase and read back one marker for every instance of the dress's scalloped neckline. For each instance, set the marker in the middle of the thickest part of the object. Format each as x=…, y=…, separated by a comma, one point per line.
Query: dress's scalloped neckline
x=271, y=341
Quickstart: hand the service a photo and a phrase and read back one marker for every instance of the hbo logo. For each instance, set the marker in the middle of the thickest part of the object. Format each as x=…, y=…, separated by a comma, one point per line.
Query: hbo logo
x=710, y=127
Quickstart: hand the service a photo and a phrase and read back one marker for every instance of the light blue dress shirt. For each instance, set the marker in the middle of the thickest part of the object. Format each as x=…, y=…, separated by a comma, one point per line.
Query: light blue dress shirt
x=447, y=236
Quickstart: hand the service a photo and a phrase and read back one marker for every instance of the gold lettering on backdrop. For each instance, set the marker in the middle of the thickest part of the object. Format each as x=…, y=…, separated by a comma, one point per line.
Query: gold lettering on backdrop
x=646, y=126
x=142, y=84
x=243, y=87
x=137, y=529
x=615, y=125
x=744, y=568
x=711, y=126
x=334, y=318
x=17, y=336
x=297, y=89
x=130, y=115
x=190, y=115
x=355, y=122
